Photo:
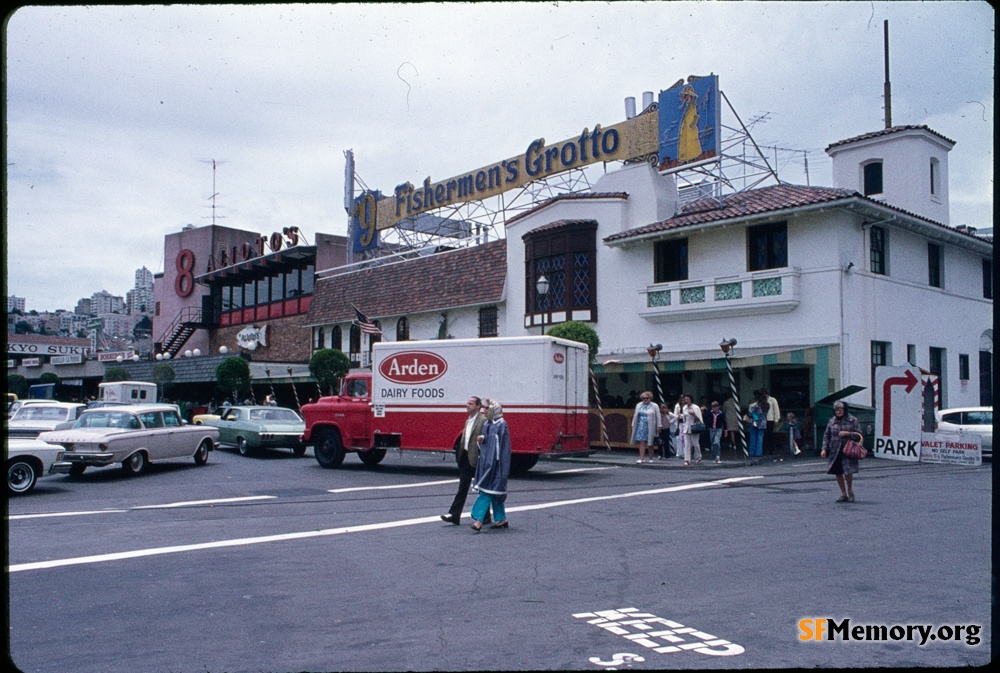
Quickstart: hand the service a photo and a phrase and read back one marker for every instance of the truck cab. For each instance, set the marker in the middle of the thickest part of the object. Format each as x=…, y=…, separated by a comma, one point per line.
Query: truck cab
x=340, y=423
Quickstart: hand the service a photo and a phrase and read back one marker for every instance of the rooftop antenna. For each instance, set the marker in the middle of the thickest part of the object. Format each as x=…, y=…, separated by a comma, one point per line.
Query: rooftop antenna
x=888, y=88
x=215, y=194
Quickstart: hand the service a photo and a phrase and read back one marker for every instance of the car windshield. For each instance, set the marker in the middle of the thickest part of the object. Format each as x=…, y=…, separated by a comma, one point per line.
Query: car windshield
x=32, y=413
x=108, y=419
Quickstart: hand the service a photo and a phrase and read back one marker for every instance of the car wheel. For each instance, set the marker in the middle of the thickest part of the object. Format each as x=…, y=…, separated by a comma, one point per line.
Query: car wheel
x=134, y=464
x=21, y=477
x=372, y=457
x=329, y=450
x=77, y=470
x=201, y=455
x=242, y=446
x=299, y=450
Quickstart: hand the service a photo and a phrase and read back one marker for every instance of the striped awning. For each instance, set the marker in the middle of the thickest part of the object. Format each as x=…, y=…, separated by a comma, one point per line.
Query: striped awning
x=826, y=357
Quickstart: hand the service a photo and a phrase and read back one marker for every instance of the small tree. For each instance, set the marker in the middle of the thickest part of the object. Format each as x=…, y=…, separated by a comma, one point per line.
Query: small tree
x=113, y=374
x=328, y=366
x=48, y=377
x=578, y=331
x=18, y=385
x=233, y=376
x=163, y=377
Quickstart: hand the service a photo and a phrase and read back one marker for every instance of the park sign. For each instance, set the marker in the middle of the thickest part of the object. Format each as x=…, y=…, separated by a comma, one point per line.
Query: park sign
x=898, y=401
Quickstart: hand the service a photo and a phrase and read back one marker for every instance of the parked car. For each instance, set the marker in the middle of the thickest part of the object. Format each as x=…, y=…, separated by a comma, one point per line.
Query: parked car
x=250, y=429
x=199, y=419
x=969, y=419
x=27, y=460
x=133, y=435
x=32, y=419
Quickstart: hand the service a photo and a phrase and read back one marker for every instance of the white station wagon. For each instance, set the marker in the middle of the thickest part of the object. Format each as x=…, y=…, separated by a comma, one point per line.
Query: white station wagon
x=133, y=435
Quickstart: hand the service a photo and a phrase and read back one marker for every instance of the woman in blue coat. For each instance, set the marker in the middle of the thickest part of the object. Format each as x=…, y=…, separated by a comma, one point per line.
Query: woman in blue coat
x=492, y=469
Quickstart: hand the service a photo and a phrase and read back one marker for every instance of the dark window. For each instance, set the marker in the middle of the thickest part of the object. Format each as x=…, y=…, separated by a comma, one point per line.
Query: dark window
x=911, y=354
x=355, y=346
x=566, y=257
x=227, y=297
x=308, y=279
x=488, y=321
x=249, y=294
x=670, y=261
x=873, y=178
x=767, y=246
x=878, y=258
x=935, y=179
x=278, y=287
x=963, y=367
x=319, y=338
x=237, y=297
x=985, y=378
x=880, y=358
x=987, y=279
x=263, y=291
x=934, y=276
x=336, y=338
x=403, y=329
x=292, y=287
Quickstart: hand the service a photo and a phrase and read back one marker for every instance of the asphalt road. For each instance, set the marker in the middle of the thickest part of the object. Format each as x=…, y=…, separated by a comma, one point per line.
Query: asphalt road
x=275, y=564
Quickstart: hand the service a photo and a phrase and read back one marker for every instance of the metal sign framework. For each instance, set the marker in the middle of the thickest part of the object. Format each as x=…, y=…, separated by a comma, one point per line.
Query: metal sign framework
x=740, y=167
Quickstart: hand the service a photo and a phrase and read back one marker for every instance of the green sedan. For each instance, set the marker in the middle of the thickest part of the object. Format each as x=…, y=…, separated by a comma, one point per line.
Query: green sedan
x=252, y=429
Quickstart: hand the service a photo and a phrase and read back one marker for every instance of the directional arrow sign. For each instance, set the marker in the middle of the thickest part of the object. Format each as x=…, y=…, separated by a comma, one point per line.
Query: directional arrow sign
x=898, y=410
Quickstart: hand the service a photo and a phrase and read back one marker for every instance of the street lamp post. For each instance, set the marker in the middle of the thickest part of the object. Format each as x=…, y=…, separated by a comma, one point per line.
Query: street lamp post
x=653, y=352
x=727, y=347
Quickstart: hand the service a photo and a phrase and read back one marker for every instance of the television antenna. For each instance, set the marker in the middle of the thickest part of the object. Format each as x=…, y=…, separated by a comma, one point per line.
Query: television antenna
x=215, y=194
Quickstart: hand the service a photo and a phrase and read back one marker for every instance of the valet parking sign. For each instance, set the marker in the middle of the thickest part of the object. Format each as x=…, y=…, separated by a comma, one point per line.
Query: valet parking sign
x=898, y=423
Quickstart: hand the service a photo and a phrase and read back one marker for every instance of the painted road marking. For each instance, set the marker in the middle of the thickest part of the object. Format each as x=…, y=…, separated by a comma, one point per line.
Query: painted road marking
x=386, y=488
x=646, y=629
x=581, y=469
x=119, y=511
x=240, y=542
x=190, y=503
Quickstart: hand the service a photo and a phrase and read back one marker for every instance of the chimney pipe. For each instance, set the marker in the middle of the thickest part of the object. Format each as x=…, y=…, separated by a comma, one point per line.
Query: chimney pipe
x=629, y=107
x=647, y=99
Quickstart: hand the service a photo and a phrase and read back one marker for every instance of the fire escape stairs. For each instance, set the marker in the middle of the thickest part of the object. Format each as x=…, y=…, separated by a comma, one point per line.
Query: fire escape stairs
x=187, y=322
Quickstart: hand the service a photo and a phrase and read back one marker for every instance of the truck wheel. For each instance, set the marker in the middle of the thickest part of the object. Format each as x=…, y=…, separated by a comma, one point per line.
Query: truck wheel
x=329, y=450
x=21, y=476
x=522, y=462
x=372, y=457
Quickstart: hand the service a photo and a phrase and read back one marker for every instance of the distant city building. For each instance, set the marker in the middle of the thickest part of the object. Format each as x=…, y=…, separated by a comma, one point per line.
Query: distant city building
x=15, y=304
x=104, y=302
x=83, y=307
x=139, y=300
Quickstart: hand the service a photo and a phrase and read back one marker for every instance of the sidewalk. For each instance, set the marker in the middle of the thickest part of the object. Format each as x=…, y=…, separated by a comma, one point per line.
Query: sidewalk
x=629, y=458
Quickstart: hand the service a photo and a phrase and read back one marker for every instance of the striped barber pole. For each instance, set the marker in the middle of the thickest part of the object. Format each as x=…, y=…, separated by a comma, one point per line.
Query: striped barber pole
x=600, y=410
x=736, y=401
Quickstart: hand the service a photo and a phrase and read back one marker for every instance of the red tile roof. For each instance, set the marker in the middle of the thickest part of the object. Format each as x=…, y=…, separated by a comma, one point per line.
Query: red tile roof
x=743, y=204
x=446, y=280
x=885, y=132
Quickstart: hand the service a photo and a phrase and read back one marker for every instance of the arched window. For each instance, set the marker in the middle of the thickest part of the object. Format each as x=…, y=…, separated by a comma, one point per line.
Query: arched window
x=403, y=329
x=319, y=339
x=336, y=338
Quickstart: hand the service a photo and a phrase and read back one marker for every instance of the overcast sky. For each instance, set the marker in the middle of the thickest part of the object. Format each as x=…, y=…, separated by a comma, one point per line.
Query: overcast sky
x=115, y=113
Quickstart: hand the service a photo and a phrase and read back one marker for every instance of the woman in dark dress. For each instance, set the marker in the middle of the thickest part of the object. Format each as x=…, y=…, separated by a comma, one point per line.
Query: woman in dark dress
x=840, y=429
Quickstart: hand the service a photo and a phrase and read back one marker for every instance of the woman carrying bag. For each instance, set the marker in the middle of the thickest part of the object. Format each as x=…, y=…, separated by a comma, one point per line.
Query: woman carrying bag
x=841, y=428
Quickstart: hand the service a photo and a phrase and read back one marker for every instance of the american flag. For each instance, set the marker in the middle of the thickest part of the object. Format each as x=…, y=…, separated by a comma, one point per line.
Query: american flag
x=366, y=325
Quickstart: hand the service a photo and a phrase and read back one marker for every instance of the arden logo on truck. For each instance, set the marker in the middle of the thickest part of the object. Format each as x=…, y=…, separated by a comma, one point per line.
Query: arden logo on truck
x=411, y=367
